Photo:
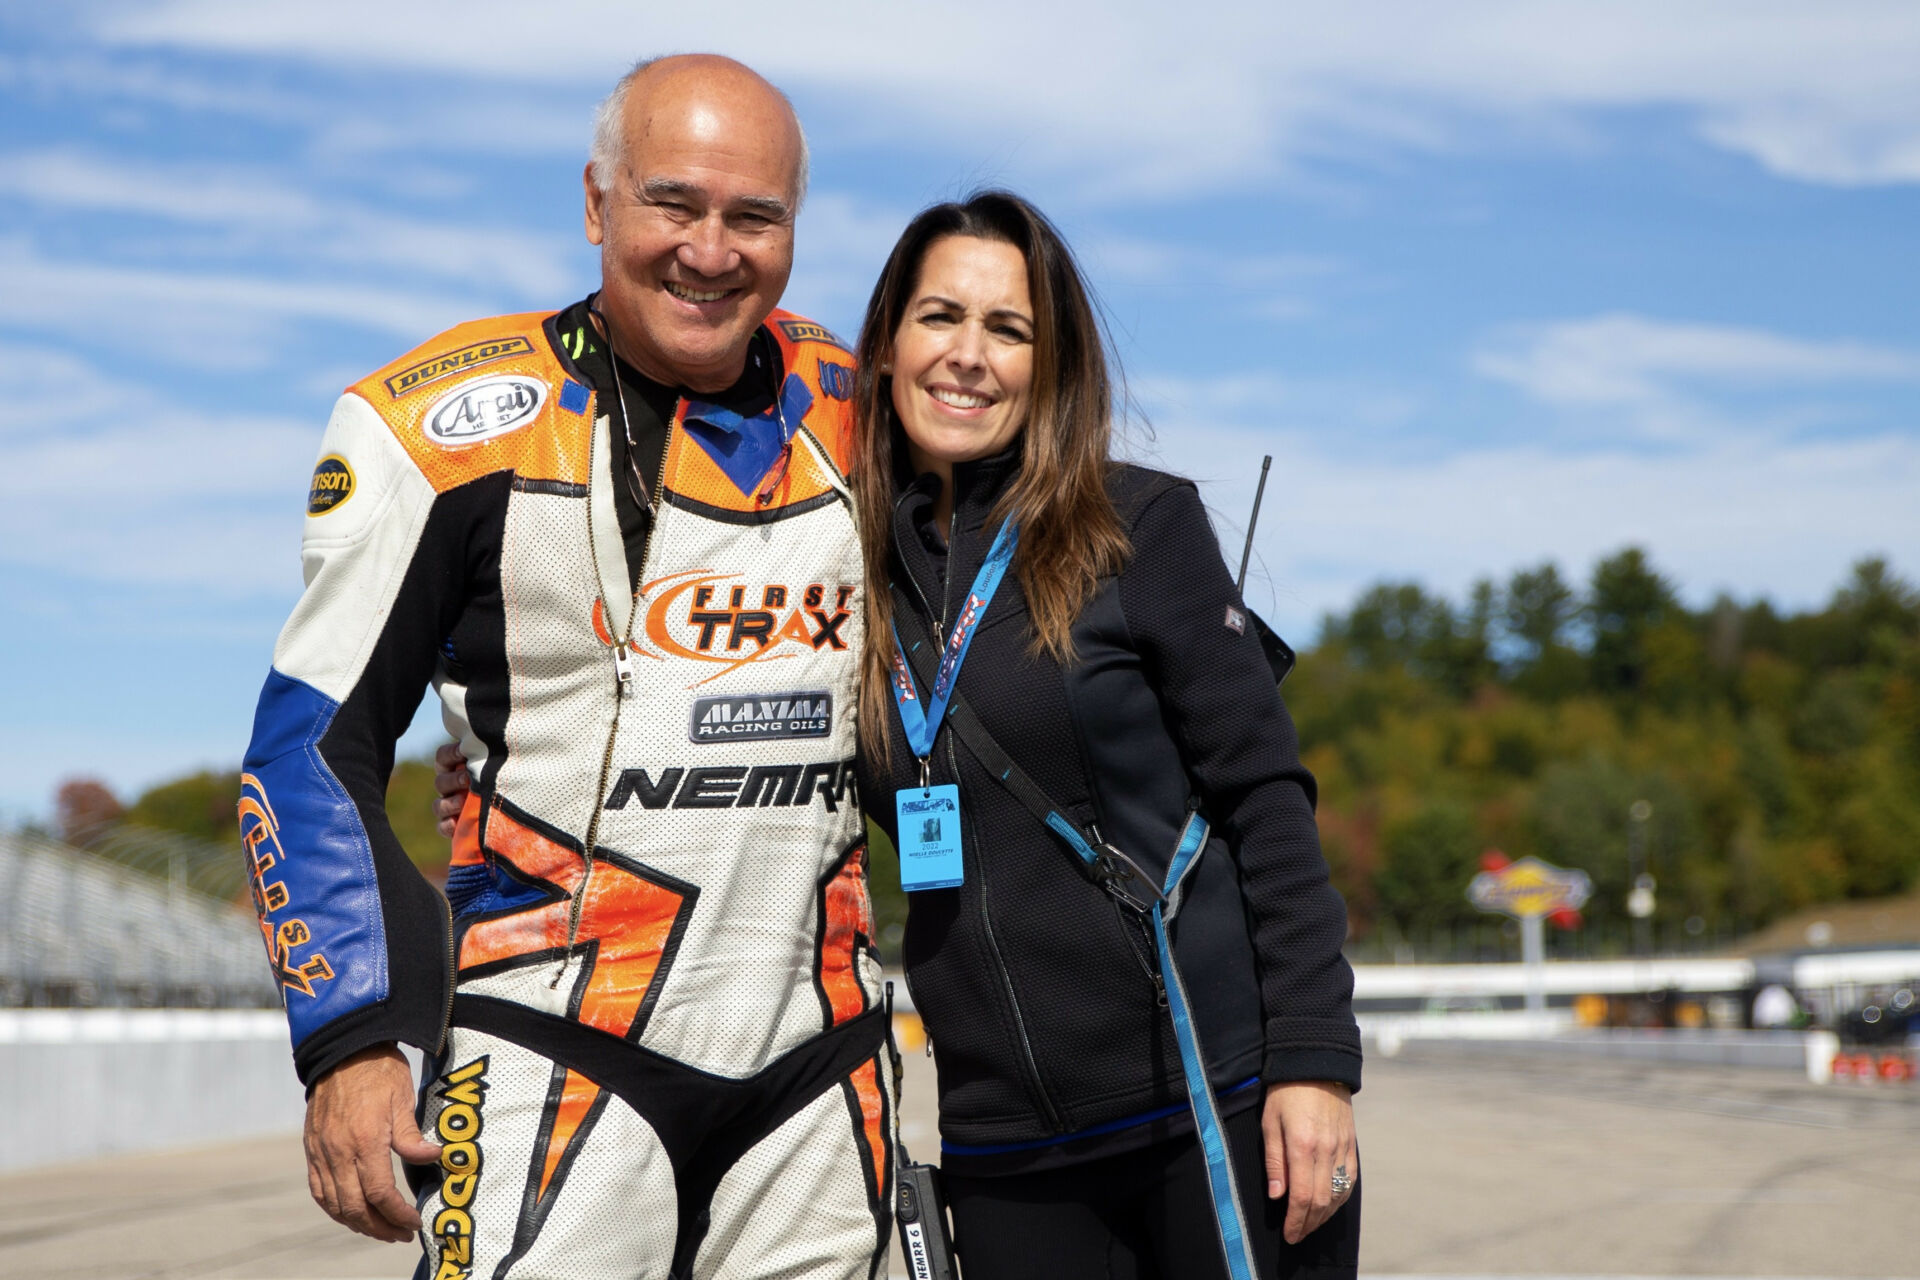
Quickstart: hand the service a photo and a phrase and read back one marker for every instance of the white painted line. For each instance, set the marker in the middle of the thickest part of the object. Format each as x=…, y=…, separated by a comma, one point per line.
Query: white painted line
x=134, y=1026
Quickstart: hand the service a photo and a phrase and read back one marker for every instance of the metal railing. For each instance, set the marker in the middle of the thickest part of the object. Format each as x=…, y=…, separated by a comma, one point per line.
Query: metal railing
x=1489, y=940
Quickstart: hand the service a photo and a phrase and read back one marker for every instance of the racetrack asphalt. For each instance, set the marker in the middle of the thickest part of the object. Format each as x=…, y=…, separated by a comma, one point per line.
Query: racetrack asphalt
x=1473, y=1166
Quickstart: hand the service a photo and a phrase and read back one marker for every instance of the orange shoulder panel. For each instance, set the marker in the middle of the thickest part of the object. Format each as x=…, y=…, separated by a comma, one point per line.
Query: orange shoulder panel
x=817, y=355
x=484, y=397
x=824, y=365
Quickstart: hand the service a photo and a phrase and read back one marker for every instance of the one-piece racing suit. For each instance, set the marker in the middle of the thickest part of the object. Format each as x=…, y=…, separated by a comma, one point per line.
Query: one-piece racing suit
x=652, y=1012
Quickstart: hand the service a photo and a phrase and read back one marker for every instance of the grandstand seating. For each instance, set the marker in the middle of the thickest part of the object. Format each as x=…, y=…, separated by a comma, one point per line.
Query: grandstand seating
x=80, y=929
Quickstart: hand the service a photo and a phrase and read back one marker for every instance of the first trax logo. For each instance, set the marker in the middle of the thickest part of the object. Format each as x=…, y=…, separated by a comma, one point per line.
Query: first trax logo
x=715, y=618
x=286, y=936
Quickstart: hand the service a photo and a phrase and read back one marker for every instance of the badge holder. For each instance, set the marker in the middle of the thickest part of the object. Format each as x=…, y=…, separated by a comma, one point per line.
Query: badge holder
x=928, y=820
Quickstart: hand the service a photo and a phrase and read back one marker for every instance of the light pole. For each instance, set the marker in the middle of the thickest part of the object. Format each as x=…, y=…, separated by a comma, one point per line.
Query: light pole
x=1640, y=895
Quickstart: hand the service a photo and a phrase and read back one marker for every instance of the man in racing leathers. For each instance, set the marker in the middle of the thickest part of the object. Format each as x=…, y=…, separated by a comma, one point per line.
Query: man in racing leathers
x=617, y=540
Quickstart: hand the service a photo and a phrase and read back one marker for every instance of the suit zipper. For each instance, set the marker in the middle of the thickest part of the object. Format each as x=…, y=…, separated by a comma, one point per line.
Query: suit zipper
x=946, y=588
x=453, y=978
x=1047, y=1108
x=623, y=671
x=622, y=661
x=1027, y=1061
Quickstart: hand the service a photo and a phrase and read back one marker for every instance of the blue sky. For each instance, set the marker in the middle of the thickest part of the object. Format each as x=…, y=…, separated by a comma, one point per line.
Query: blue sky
x=1493, y=282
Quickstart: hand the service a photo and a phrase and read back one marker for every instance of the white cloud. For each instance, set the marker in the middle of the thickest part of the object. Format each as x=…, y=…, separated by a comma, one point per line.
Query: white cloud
x=50, y=74
x=204, y=320
x=129, y=487
x=1136, y=98
x=75, y=180
x=1359, y=491
x=1631, y=361
x=50, y=390
x=1271, y=286
x=1815, y=147
x=262, y=212
x=1355, y=410
x=842, y=242
x=476, y=119
x=1781, y=521
x=1139, y=260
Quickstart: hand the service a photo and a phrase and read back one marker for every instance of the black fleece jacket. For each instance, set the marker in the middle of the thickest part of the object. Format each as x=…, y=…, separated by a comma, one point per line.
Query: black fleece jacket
x=1033, y=985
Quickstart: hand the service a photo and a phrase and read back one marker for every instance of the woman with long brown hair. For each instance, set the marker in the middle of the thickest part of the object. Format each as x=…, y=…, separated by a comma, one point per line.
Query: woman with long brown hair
x=1121, y=937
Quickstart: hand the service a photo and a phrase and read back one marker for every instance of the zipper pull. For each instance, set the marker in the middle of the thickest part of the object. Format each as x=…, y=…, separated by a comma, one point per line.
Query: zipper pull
x=622, y=665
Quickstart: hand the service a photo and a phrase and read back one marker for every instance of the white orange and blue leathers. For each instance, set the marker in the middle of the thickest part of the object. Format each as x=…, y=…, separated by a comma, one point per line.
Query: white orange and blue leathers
x=648, y=997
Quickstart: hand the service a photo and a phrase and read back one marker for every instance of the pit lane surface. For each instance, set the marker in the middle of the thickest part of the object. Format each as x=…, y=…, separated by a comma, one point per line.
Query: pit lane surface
x=1473, y=1166
x=1482, y=1165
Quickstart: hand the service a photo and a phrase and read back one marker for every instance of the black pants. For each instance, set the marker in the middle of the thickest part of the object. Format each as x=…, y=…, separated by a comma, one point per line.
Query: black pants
x=1142, y=1215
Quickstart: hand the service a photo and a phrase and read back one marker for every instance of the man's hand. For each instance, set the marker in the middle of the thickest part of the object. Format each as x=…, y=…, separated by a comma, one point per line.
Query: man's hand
x=451, y=781
x=358, y=1112
x=1308, y=1129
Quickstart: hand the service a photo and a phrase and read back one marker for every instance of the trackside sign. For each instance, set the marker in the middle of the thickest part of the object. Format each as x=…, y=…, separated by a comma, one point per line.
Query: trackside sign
x=1529, y=889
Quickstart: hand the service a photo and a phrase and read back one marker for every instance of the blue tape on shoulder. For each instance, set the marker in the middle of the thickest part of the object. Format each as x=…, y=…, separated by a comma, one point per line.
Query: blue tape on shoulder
x=573, y=396
x=309, y=863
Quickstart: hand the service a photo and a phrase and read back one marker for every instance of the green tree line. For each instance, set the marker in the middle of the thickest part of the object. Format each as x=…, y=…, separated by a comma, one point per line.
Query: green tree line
x=192, y=824
x=1779, y=752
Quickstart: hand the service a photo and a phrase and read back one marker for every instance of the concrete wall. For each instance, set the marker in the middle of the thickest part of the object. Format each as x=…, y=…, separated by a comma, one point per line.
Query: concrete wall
x=89, y=1082
x=1783, y=1050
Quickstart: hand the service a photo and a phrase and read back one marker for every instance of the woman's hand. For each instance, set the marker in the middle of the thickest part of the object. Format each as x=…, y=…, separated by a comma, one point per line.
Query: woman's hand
x=451, y=781
x=1308, y=1130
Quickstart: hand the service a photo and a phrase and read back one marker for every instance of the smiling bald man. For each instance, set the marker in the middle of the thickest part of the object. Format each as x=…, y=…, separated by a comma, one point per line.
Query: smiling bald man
x=616, y=539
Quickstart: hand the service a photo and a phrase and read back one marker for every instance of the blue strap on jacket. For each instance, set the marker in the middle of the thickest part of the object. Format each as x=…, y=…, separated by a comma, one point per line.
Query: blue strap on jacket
x=1228, y=1213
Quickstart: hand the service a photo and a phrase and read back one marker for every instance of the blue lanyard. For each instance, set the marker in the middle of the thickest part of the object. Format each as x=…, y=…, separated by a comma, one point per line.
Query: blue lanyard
x=922, y=721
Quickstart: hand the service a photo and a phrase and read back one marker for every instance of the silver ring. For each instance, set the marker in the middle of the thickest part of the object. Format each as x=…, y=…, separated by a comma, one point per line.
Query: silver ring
x=1342, y=1184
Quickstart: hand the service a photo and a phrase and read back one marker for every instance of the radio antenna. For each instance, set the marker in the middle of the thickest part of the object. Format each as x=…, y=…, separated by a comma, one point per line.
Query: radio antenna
x=1240, y=587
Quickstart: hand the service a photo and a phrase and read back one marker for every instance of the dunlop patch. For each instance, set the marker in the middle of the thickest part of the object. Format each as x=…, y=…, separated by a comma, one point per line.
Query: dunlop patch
x=808, y=331
x=451, y=362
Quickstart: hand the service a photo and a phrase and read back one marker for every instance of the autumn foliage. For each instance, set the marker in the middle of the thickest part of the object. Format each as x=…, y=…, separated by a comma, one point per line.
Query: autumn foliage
x=1779, y=753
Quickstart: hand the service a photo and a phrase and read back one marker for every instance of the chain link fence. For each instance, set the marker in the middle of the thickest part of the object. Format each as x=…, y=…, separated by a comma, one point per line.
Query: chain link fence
x=145, y=919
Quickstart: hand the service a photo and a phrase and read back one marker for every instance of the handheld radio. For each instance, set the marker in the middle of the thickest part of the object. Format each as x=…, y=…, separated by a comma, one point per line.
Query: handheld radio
x=921, y=1212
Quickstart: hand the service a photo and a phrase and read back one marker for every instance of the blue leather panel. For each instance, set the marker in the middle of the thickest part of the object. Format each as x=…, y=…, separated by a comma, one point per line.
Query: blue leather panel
x=478, y=890
x=310, y=863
